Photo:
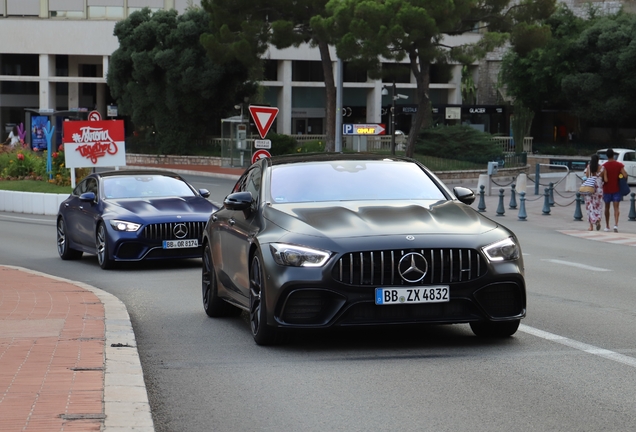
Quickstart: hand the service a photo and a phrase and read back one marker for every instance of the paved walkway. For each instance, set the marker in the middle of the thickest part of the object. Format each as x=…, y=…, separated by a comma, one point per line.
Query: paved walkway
x=68, y=356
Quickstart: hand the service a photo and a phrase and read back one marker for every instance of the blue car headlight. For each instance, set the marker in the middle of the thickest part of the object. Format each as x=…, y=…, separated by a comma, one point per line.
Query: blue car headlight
x=503, y=250
x=120, y=225
x=298, y=256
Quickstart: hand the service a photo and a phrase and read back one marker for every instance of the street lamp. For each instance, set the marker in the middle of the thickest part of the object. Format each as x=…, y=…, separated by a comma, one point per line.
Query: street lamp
x=394, y=97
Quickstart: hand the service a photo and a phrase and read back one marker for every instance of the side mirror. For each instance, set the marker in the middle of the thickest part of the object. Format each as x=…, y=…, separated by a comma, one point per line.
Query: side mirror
x=238, y=201
x=87, y=196
x=464, y=195
x=204, y=193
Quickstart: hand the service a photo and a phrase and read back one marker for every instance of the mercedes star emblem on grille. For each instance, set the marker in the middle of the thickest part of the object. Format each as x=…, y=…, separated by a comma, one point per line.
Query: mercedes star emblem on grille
x=410, y=237
x=413, y=267
x=180, y=230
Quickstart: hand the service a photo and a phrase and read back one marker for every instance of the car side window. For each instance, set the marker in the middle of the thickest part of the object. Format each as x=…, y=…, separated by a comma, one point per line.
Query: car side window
x=630, y=157
x=80, y=188
x=91, y=186
x=253, y=182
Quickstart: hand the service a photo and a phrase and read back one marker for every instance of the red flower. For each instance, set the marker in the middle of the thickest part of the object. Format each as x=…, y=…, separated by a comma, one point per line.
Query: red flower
x=61, y=147
x=35, y=149
x=20, y=156
x=54, y=155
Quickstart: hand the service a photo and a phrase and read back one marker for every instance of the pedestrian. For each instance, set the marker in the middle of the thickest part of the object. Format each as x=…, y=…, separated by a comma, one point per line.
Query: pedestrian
x=14, y=138
x=611, y=190
x=594, y=201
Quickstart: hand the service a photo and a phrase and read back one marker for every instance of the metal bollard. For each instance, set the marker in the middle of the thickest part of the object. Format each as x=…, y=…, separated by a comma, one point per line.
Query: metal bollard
x=482, y=203
x=551, y=187
x=546, y=201
x=632, y=208
x=500, y=207
x=513, y=199
x=578, y=215
x=522, y=206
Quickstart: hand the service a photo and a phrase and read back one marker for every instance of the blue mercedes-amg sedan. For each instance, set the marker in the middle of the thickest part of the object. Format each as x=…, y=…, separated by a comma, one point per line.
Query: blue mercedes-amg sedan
x=133, y=215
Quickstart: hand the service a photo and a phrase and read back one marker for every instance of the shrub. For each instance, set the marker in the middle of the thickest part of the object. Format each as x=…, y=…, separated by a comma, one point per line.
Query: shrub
x=311, y=147
x=281, y=144
x=458, y=142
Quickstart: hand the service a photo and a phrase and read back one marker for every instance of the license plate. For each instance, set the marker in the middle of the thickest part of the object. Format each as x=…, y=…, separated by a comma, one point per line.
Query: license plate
x=427, y=294
x=180, y=244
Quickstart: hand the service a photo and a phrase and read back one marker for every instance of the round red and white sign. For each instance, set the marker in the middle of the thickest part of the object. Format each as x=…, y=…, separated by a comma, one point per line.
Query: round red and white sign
x=260, y=154
x=94, y=116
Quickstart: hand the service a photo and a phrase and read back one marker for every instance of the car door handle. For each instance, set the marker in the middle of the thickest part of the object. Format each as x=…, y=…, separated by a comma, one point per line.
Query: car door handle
x=232, y=222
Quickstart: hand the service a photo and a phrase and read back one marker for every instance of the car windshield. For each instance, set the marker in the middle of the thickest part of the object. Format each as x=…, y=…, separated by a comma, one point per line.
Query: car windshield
x=145, y=186
x=351, y=181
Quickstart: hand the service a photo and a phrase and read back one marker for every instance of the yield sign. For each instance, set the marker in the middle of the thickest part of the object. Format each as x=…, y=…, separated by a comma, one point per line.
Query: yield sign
x=263, y=118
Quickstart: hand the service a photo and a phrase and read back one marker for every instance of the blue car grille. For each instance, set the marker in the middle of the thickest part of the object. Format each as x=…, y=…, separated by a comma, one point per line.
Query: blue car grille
x=379, y=268
x=165, y=231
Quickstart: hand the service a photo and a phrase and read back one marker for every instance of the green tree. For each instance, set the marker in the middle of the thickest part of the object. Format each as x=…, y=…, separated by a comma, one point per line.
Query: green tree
x=418, y=30
x=533, y=73
x=602, y=86
x=243, y=29
x=162, y=78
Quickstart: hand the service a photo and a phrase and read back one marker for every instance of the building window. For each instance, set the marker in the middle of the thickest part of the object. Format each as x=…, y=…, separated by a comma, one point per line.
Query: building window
x=398, y=72
x=352, y=73
x=19, y=88
x=270, y=70
x=106, y=12
x=67, y=14
x=136, y=9
x=19, y=64
x=440, y=73
x=307, y=71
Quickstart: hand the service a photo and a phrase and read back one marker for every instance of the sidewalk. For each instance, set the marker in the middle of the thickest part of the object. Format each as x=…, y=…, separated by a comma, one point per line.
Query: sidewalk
x=68, y=358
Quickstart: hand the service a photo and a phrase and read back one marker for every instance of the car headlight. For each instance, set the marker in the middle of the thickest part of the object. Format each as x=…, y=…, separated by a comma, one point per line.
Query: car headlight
x=503, y=250
x=298, y=256
x=120, y=225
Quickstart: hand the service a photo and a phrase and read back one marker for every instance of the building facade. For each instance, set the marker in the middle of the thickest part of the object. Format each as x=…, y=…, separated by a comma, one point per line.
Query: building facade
x=54, y=56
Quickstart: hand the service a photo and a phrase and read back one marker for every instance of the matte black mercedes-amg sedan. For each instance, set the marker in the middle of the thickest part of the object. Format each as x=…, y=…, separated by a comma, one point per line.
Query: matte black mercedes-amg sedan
x=355, y=240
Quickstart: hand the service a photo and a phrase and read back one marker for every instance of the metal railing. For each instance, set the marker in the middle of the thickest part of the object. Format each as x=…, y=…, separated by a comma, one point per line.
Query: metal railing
x=507, y=144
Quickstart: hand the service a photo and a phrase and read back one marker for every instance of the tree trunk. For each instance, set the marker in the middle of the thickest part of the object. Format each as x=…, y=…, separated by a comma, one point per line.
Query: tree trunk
x=423, y=117
x=330, y=99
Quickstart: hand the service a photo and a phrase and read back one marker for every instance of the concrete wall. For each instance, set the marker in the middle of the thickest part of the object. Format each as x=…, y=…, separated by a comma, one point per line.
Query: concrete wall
x=31, y=202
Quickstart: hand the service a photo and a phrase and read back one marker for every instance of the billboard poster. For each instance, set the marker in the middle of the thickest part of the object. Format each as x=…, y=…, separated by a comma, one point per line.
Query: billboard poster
x=38, y=137
x=94, y=144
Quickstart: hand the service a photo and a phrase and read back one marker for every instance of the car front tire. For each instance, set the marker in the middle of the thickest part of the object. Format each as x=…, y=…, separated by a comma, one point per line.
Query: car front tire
x=102, y=248
x=63, y=249
x=499, y=329
x=213, y=305
x=263, y=334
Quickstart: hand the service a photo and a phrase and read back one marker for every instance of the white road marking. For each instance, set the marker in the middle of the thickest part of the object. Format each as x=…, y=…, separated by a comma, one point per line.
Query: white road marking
x=590, y=349
x=578, y=265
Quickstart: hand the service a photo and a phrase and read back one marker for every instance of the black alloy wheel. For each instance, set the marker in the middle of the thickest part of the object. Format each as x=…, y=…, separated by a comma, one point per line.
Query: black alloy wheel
x=213, y=305
x=63, y=249
x=263, y=334
x=102, y=248
x=499, y=329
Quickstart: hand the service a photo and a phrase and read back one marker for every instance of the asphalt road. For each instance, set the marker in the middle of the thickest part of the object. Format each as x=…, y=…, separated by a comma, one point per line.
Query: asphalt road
x=572, y=365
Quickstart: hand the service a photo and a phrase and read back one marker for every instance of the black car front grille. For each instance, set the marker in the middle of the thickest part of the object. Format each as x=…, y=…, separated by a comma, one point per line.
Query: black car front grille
x=376, y=268
x=165, y=231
